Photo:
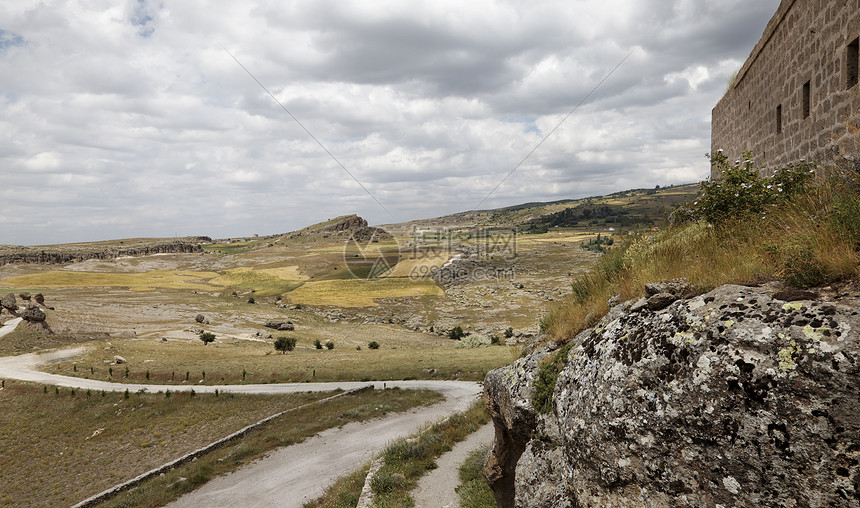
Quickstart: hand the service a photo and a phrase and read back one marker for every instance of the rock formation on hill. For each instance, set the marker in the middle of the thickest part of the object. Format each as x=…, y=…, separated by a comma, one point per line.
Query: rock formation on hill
x=732, y=398
x=347, y=223
x=62, y=257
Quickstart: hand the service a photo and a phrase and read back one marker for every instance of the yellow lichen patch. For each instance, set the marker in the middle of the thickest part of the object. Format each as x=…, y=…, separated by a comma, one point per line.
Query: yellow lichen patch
x=786, y=356
x=793, y=306
x=361, y=292
x=135, y=281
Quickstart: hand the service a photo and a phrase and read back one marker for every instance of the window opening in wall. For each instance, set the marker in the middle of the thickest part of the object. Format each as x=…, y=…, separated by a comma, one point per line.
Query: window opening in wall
x=806, y=100
x=779, y=119
x=852, y=62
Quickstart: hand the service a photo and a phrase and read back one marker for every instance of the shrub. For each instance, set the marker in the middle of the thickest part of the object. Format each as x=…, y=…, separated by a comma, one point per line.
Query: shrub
x=318, y=344
x=740, y=190
x=283, y=344
x=509, y=332
x=251, y=299
x=494, y=339
x=456, y=333
x=545, y=382
x=207, y=337
x=329, y=345
x=373, y=345
x=474, y=341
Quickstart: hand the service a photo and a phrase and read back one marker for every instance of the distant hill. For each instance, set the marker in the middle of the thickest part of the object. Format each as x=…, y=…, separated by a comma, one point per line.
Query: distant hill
x=622, y=209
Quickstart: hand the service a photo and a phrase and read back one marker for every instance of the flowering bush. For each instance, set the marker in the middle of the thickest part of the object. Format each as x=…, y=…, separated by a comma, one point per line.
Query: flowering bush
x=740, y=190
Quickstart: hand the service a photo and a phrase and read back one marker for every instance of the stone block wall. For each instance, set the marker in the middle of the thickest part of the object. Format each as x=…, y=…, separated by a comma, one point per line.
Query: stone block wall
x=798, y=90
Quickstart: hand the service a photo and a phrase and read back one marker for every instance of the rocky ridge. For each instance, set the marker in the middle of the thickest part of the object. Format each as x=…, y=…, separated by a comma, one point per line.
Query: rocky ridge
x=731, y=398
x=64, y=257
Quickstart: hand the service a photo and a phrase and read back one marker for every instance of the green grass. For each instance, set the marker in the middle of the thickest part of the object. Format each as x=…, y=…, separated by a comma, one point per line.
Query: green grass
x=407, y=460
x=345, y=493
x=474, y=491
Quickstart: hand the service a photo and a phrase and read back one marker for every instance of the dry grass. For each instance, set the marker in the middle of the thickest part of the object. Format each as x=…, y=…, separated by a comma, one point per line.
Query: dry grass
x=225, y=362
x=47, y=462
x=165, y=279
x=361, y=292
x=804, y=242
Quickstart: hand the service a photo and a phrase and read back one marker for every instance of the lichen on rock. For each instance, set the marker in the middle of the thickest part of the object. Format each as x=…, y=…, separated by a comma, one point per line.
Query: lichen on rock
x=729, y=398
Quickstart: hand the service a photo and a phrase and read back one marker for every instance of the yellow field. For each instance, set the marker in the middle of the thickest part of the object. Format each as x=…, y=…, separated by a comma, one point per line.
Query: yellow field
x=553, y=237
x=418, y=266
x=360, y=292
x=134, y=281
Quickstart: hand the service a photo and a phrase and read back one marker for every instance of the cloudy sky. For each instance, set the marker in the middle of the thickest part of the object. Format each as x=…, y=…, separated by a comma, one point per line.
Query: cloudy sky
x=130, y=118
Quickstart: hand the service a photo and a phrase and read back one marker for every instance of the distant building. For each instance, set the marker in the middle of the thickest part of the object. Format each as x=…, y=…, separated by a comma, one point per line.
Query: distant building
x=798, y=90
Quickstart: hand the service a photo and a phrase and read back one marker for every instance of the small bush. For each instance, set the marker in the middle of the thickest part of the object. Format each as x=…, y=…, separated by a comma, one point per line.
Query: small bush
x=373, y=345
x=544, y=384
x=456, y=333
x=494, y=339
x=318, y=344
x=251, y=299
x=329, y=345
x=741, y=190
x=207, y=337
x=283, y=344
x=509, y=332
x=474, y=341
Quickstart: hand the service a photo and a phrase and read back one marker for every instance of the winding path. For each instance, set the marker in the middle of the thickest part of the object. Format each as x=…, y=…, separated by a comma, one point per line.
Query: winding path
x=289, y=476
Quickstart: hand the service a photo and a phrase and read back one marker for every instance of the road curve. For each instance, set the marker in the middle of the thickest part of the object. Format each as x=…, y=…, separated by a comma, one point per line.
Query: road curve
x=290, y=476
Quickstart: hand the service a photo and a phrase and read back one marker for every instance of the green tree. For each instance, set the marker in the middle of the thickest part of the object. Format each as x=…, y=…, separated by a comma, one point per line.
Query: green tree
x=456, y=333
x=207, y=337
x=284, y=344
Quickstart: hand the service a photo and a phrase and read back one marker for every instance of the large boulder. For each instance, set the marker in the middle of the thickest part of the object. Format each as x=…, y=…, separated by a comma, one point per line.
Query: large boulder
x=9, y=303
x=731, y=398
x=33, y=314
x=280, y=325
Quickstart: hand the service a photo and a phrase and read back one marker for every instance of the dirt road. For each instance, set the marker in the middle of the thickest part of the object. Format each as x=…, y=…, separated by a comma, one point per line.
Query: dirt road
x=293, y=475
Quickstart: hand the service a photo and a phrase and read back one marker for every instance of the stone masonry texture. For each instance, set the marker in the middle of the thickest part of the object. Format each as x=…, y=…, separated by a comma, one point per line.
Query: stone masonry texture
x=797, y=91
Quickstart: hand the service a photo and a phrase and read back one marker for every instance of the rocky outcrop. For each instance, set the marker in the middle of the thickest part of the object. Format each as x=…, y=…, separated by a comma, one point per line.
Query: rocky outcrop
x=33, y=314
x=64, y=257
x=9, y=303
x=731, y=398
x=346, y=223
x=280, y=324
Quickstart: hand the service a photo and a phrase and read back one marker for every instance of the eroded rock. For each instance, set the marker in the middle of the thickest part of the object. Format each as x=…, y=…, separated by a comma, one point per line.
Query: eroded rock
x=730, y=398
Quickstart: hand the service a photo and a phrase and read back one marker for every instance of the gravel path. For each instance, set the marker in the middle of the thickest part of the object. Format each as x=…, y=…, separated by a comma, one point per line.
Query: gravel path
x=436, y=489
x=293, y=475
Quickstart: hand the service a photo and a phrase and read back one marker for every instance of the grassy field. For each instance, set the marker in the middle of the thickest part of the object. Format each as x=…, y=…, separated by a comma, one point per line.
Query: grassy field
x=48, y=462
x=361, y=292
x=257, y=362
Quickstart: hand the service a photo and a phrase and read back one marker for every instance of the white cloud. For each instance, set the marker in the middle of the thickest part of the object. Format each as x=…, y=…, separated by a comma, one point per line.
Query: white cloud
x=129, y=119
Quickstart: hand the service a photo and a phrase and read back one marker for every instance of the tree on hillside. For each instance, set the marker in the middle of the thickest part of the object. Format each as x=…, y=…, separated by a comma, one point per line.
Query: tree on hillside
x=284, y=344
x=456, y=333
x=207, y=337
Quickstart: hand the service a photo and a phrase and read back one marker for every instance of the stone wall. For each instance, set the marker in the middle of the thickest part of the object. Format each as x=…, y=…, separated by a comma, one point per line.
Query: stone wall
x=797, y=91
